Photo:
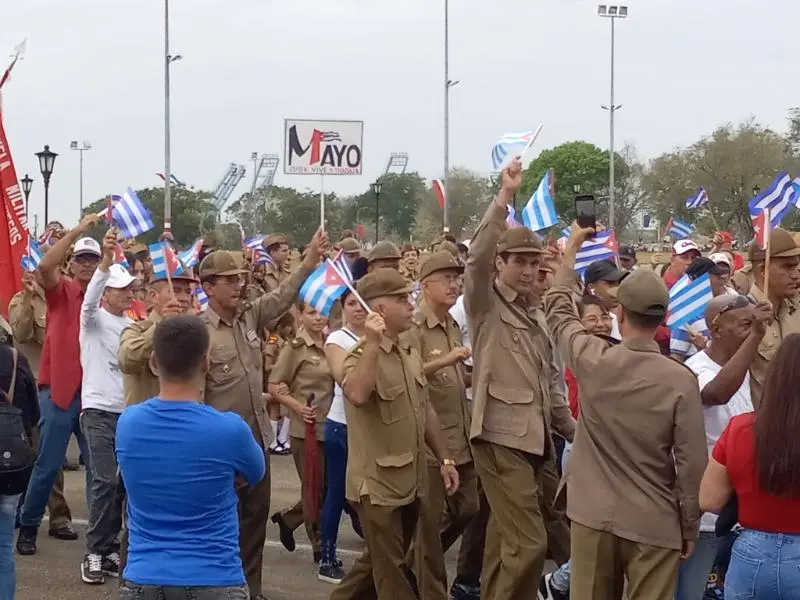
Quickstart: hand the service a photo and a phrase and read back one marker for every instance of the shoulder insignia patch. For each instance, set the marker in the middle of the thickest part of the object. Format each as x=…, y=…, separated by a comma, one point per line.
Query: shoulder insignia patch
x=435, y=352
x=273, y=339
x=297, y=342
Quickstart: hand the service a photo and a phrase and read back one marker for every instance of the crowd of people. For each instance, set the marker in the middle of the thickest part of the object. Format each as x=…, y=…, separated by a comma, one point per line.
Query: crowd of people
x=482, y=392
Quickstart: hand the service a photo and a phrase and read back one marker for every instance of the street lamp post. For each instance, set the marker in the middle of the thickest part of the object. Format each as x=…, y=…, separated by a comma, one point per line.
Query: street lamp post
x=448, y=83
x=81, y=148
x=27, y=183
x=376, y=189
x=168, y=60
x=612, y=12
x=46, y=160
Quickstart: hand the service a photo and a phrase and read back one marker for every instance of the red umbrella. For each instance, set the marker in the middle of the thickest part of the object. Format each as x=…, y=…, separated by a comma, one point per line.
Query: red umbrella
x=311, y=469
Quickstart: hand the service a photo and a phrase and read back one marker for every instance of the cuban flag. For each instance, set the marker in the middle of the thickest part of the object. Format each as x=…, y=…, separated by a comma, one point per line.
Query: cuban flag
x=119, y=256
x=679, y=229
x=779, y=198
x=172, y=179
x=439, y=191
x=130, y=215
x=48, y=236
x=32, y=258
x=340, y=262
x=202, y=297
x=323, y=287
x=761, y=226
x=163, y=257
x=688, y=299
x=511, y=218
x=540, y=211
x=191, y=256
x=512, y=144
x=699, y=199
x=601, y=247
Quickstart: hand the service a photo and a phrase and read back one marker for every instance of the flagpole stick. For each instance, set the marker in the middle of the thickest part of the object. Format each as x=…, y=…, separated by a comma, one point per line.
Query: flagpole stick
x=530, y=143
x=349, y=285
x=322, y=201
x=169, y=276
x=768, y=226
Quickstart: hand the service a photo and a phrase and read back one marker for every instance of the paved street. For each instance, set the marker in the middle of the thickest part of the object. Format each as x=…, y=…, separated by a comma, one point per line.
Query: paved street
x=54, y=572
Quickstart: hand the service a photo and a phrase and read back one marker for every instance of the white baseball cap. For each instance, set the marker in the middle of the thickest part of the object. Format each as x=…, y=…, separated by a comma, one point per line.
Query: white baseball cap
x=684, y=246
x=87, y=245
x=119, y=278
x=721, y=257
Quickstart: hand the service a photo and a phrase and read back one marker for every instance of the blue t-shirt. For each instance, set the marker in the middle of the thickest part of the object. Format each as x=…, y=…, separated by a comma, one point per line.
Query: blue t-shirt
x=178, y=462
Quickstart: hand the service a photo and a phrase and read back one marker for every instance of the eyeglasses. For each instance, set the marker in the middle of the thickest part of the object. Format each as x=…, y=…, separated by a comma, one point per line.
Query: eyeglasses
x=735, y=303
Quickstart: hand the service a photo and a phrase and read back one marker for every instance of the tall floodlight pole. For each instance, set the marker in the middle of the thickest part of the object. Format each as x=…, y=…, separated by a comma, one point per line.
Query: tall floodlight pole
x=81, y=148
x=447, y=85
x=168, y=60
x=612, y=12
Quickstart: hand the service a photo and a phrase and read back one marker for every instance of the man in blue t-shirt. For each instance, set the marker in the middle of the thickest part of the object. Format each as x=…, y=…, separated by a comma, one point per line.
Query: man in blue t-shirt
x=179, y=459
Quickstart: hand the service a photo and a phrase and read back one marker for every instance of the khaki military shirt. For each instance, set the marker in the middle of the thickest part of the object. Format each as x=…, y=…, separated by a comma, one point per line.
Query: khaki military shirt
x=447, y=390
x=135, y=347
x=640, y=448
x=235, y=379
x=386, y=436
x=27, y=315
x=303, y=367
x=274, y=276
x=517, y=386
x=272, y=348
x=786, y=322
x=254, y=291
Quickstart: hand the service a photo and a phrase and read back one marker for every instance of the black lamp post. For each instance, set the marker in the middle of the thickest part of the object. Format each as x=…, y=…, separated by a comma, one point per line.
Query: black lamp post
x=26, y=182
x=46, y=160
x=376, y=189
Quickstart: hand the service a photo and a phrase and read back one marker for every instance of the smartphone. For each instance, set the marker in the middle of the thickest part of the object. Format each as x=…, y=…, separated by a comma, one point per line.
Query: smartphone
x=585, y=209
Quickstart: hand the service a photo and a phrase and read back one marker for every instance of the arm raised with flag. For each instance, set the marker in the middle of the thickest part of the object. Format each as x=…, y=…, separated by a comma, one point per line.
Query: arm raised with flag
x=273, y=305
x=50, y=267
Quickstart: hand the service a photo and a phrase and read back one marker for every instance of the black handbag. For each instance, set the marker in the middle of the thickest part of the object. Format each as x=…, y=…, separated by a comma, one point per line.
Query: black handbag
x=728, y=517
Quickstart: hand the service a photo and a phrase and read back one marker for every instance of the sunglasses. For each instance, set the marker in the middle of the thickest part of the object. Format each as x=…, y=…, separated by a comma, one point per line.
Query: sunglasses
x=735, y=303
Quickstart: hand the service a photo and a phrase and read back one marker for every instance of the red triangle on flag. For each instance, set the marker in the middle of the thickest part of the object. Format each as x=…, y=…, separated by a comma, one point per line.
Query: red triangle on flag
x=611, y=242
x=332, y=277
x=171, y=259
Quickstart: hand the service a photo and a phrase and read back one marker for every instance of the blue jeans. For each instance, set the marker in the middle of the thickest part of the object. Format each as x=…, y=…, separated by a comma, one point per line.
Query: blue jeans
x=693, y=573
x=132, y=591
x=8, y=577
x=55, y=426
x=336, y=467
x=105, y=511
x=764, y=565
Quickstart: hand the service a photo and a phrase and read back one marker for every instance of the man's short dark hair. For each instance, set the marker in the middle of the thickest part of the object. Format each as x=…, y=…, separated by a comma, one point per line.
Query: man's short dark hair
x=179, y=345
x=643, y=321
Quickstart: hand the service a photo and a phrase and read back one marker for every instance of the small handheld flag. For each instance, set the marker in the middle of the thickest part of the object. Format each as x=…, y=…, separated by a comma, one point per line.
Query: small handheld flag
x=191, y=256
x=699, y=199
x=322, y=288
x=511, y=218
x=540, y=211
x=512, y=144
x=131, y=215
x=32, y=258
x=688, y=299
x=778, y=198
x=762, y=228
x=601, y=247
x=165, y=261
x=679, y=229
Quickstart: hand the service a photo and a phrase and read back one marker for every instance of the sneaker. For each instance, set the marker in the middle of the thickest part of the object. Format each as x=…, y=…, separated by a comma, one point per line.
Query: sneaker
x=111, y=564
x=548, y=592
x=331, y=574
x=92, y=569
x=461, y=590
x=26, y=540
x=286, y=534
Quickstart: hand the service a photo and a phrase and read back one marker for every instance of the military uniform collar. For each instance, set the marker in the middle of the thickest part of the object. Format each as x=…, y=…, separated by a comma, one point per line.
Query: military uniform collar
x=305, y=336
x=387, y=343
x=789, y=304
x=430, y=318
x=641, y=345
x=155, y=317
x=215, y=318
x=505, y=291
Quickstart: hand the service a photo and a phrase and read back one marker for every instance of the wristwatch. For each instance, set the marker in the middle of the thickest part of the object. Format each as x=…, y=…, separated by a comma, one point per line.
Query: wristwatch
x=448, y=462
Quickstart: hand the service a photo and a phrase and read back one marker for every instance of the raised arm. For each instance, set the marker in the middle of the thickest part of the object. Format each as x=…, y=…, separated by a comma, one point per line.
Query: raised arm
x=94, y=291
x=478, y=274
x=50, y=266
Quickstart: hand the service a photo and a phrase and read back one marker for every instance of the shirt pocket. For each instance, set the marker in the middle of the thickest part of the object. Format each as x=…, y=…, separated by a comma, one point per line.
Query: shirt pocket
x=391, y=403
x=509, y=410
x=396, y=474
x=222, y=368
x=511, y=333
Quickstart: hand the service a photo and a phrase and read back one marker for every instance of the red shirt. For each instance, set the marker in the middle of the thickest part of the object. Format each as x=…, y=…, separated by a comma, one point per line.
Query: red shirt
x=738, y=261
x=573, y=394
x=137, y=311
x=736, y=449
x=60, y=368
x=670, y=278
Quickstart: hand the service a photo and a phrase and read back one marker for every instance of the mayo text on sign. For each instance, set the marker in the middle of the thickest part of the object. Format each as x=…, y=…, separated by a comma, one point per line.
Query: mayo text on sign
x=323, y=147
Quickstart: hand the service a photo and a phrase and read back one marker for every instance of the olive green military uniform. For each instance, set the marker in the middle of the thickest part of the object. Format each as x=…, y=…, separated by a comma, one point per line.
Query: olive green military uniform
x=787, y=315
x=273, y=274
x=27, y=315
x=386, y=472
x=254, y=291
x=443, y=518
x=385, y=254
x=517, y=391
x=303, y=367
x=234, y=382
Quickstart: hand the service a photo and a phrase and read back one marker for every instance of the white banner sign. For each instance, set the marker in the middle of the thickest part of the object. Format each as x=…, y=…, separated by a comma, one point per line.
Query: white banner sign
x=323, y=147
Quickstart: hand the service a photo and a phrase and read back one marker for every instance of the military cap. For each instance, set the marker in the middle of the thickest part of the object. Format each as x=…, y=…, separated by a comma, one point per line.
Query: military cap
x=350, y=245
x=781, y=245
x=162, y=276
x=383, y=251
x=275, y=239
x=644, y=293
x=383, y=282
x=441, y=260
x=221, y=262
x=137, y=248
x=447, y=247
x=519, y=240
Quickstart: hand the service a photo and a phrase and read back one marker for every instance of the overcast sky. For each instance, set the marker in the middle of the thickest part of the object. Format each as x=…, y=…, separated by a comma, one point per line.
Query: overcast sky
x=94, y=71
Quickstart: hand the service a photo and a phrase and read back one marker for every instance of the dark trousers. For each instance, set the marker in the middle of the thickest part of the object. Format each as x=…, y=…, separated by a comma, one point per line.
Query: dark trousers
x=296, y=515
x=133, y=591
x=253, y=517
x=105, y=511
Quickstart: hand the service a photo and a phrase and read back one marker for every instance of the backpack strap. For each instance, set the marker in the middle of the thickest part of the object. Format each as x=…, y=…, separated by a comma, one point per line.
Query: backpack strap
x=9, y=395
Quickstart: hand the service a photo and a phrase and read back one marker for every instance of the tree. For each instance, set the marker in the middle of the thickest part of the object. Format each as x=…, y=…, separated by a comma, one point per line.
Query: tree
x=468, y=194
x=189, y=209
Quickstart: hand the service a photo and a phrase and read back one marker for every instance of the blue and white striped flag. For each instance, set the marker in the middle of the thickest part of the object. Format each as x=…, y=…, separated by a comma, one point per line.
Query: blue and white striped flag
x=540, y=211
x=688, y=299
x=32, y=258
x=130, y=215
x=601, y=247
x=679, y=229
x=779, y=198
x=191, y=256
x=700, y=198
x=511, y=145
x=511, y=218
x=163, y=256
x=322, y=288
x=202, y=297
x=340, y=260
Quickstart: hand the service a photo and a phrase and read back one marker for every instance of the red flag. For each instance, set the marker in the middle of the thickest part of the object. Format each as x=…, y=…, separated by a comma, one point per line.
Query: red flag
x=173, y=264
x=441, y=193
x=761, y=225
x=13, y=226
x=19, y=50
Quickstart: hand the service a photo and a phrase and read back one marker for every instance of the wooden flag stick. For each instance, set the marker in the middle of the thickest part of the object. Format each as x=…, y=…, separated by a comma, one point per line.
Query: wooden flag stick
x=768, y=226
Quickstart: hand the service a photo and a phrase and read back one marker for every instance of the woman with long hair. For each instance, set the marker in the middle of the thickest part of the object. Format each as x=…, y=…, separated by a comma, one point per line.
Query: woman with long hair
x=757, y=458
